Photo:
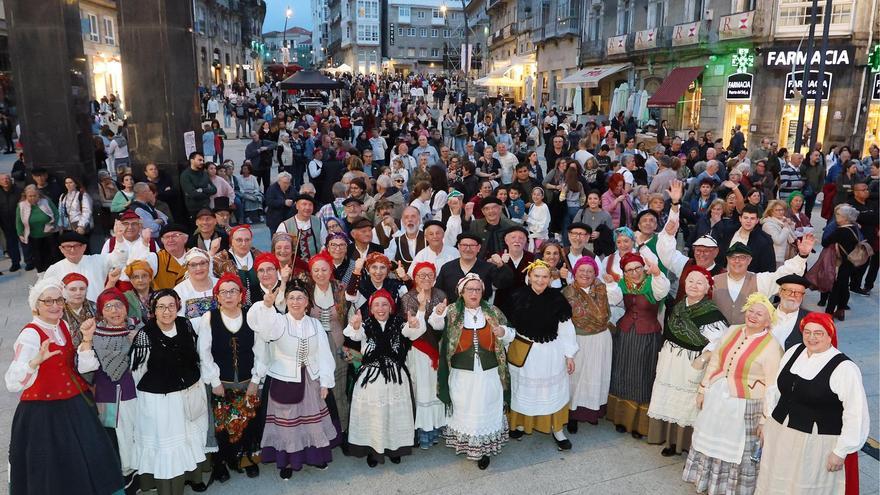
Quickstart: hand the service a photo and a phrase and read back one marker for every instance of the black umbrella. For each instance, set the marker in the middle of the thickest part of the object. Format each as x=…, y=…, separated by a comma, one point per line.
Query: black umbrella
x=309, y=79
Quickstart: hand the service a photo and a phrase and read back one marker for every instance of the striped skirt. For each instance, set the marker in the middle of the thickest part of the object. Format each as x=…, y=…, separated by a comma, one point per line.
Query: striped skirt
x=718, y=477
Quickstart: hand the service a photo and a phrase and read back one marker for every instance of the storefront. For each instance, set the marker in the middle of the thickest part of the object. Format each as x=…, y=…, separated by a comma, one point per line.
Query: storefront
x=738, y=94
x=591, y=79
x=681, y=92
x=872, y=127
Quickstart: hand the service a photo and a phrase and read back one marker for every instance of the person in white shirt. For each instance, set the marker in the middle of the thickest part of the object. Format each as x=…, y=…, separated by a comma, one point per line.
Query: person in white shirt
x=409, y=162
x=784, y=328
x=435, y=251
x=138, y=243
x=816, y=414
x=582, y=155
x=316, y=164
x=508, y=162
x=94, y=267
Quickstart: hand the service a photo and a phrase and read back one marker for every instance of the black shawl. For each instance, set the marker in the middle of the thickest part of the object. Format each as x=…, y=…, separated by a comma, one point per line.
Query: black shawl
x=537, y=316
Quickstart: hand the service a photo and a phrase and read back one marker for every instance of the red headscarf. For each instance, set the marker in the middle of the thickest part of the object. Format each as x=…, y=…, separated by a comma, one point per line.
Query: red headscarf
x=702, y=271
x=382, y=294
x=322, y=256
x=823, y=319
x=630, y=258
x=374, y=258
x=422, y=265
x=235, y=229
x=266, y=258
x=74, y=277
x=230, y=277
x=107, y=296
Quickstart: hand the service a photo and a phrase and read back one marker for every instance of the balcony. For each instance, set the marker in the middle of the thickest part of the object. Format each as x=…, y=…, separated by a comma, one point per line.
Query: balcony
x=403, y=19
x=495, y=3
x=558, y=30
x=592, y=51
x=739, y=25
x=503, y=34
x=438, y=21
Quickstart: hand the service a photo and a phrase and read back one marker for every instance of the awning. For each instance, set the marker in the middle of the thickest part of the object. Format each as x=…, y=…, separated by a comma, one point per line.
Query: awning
x=498, y=77
x=590, y=77
x=675, y=84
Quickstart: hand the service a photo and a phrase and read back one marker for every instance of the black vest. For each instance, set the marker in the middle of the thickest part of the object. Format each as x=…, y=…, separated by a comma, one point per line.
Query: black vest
x=173, y=362
x=805, y=402
x=233, y=352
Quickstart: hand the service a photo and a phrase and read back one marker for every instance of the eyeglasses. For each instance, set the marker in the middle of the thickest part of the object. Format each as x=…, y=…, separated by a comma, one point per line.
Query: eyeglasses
x=791, y=292
x=298, y=298
x=468, y=246
x=635, y=269
x=266, y=271
x=114, y=305
x=130, y=225
x=739, y=257
x=425, y=276
x=200, y=264
x=578, y=234
x=229, y=292
x=161, y=308
x=473, y=289
x=71, y=245
x=336, y=245
x=50, y=302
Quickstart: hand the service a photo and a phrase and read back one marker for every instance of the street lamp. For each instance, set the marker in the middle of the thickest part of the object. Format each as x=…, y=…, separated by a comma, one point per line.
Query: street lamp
x=288, y=13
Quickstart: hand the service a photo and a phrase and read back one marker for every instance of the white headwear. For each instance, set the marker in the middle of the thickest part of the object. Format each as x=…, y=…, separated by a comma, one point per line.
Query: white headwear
x=467, y=278
x=194, y=253
x=40, y=287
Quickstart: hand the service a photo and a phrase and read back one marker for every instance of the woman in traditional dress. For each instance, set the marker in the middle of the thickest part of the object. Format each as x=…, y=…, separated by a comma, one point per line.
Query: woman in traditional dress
x=172, y=412
x=592, y=364
x=540, y=386
x=57, y=442
x=196, y=290
x=140, y=274
x=474, y=382
x=77, y=308
x=731, y=401
x=337, y=248
x=625, y=240
x=298, y=429
x=360, y=287
x=637, y=341
x=331, y=309
x=382, y=416
x=423, y=359
x=113, y=383
x=692, y=330
x=233, y=364
x=817, y=417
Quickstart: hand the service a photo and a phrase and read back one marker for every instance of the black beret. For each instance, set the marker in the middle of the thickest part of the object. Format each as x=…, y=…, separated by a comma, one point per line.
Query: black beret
x=517, y=228
x=738, y=248
x=173, y=227
x=435, y=223
x=794, y=279
x=360, y=223
x=579, y=225
x=491, y=200
x=468, y=235
x=72, y=236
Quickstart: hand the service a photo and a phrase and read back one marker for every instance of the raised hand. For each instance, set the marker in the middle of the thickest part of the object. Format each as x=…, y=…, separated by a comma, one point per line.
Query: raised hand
x=440, y=308
x=118, y=230
x=215, y=246
x=269, y=297
x=805, y=245
x=147, y=236
x=412, y=320
x=505, y=257
x=676, y=191
x=496, y=260
x=563, y=273
x=401, y=273
x=651, y=268
x=356, y=320
x=359, y=265
x=285, y=273
x=608, y=278
x=113, y=277
x=671, y=227
x=87, y=329
x=43, y=355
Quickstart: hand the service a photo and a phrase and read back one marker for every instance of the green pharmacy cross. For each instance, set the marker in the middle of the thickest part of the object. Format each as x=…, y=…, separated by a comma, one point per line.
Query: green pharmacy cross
x=742, y=60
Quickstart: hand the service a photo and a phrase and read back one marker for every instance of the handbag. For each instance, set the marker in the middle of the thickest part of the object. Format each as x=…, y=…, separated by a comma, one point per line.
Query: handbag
x=288, y=393
x=823, y=273
x=518, y=351
x=861, y=253
x=195, y=402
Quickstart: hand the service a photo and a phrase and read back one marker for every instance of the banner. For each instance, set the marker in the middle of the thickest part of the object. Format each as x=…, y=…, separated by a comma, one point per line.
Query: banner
x=616, y=45
x=686, y=34
x=466, y=57
x=794, y=82
x=646, y=39
x=736, y=25
x=739, y=86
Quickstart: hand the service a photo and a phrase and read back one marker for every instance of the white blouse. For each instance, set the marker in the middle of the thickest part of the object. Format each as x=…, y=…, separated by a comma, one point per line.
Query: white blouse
x=210, y=370
x=845, y=381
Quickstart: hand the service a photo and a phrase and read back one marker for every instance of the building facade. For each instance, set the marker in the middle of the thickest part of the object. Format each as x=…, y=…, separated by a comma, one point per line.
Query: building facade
x=477, y=33
x=713, y=64
x=299, y=43
x=423, y=36
x=228, y=40
x=511, y=50
x=101, y=48
x=356, y=34
x=321, y=32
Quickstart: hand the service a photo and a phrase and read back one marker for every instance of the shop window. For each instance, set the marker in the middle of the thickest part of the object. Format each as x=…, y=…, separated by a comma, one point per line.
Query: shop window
x=690, y=106
x=789, y=121
x=872, y=129
x=736, y=114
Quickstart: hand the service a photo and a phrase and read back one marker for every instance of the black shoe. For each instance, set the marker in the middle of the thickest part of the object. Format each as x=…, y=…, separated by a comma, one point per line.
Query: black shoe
x=846, y=307
x=572, y=426
x=516, y=434
x=861, y=292
x=322, y=466
x=286, y=473
x=196, y=487
x=620, y=428
x=823, y=300
x=483, y=463
x=395, y=459
x=14, y=268
x=372, y=462
x=637, y=435
x=252, y=471
x=563, y=444
x=668, y=451
x=220, y=473
x=132, y=484
x=28, y=268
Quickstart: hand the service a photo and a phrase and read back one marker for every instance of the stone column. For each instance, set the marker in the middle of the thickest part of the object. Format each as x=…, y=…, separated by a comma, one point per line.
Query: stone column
x=49, y=67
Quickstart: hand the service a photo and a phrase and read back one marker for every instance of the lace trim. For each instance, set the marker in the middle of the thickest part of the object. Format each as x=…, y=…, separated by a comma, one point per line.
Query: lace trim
x=476, y=446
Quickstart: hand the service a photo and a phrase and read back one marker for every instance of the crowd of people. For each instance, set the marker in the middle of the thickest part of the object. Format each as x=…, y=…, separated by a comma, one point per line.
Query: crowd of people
x=433, y=277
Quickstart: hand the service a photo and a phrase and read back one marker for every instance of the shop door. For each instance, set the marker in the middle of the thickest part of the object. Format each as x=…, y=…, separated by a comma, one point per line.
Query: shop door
x=736, y=114
x=789, y=121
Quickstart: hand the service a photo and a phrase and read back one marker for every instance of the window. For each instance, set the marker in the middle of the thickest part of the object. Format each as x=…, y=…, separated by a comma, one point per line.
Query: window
x=436, y=14
x=91, y=28
x=423, y=32
x=367, y=33
x=410, y=52
x=693, y=10
x=368, y=9
x=200, y=20
x=656, y=9
x=434, y=33
x=435, y=52
x=445, y=33
x=109, y=32
x=423, y=52
x=594, y=23
x=563, y=9
x=420, y=14
x=412, y=32
x=403, y=11
x=741, y=6
x=400, y=31
x=795, y=15
x=624, y=16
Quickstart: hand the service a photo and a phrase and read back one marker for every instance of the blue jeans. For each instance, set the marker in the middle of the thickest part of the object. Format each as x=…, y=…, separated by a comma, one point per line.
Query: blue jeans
x=570, y=213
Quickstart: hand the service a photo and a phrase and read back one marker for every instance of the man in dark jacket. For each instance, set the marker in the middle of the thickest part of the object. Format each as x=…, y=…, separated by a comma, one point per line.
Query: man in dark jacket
x=760, y=244
x=196, y=185
x=259, y=152
x=279, y=201
x=10, y=195
x=491, y=228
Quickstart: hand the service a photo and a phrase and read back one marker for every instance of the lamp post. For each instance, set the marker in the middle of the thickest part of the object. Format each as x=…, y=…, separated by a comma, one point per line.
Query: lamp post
x=467, y=51
x=288, y=13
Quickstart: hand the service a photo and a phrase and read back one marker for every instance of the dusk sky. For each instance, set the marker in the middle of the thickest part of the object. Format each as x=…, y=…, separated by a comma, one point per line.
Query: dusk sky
x=302, y=14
